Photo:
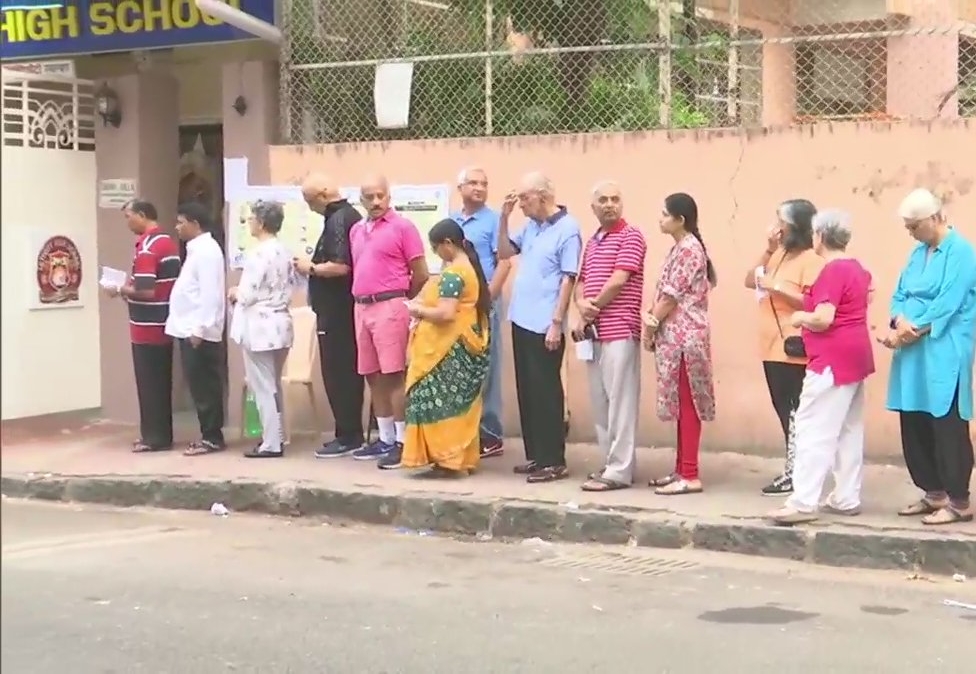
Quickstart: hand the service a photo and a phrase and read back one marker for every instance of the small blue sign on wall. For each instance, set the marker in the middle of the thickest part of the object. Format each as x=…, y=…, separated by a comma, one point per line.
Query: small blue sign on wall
x=37, y=29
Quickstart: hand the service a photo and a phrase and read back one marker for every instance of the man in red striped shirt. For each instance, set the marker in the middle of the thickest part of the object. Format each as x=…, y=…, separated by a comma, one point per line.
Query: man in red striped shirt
x=609, y=291
x=155, y=266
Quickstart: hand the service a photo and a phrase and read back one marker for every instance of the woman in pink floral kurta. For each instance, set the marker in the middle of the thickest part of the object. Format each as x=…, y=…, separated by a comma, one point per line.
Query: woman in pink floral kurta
x=677, y=331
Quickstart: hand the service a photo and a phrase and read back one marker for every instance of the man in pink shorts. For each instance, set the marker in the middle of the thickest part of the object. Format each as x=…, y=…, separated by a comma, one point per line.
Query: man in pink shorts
x=388, y=267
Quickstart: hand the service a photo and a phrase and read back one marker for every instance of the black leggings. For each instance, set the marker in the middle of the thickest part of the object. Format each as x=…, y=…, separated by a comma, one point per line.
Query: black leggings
x=785, y=383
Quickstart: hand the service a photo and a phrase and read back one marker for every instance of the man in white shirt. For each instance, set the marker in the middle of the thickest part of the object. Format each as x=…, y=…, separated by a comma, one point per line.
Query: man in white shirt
x=196, y=319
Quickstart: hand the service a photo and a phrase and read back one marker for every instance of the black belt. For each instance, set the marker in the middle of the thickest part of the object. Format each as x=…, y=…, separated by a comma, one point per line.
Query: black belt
x=380, y=297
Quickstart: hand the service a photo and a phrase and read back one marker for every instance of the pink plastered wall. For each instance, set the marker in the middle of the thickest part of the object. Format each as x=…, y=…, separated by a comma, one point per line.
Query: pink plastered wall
x=738, y=178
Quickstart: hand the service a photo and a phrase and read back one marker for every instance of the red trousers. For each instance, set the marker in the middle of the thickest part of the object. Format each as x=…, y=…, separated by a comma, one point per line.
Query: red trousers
x=689, y=429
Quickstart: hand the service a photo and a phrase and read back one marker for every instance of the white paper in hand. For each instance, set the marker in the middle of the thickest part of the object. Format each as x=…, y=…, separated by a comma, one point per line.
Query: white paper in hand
x=584, y=350
x=760, y=293
x=112, y=278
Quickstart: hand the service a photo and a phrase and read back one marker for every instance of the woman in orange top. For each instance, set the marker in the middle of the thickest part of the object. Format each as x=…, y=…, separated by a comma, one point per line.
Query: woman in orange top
x=787, y=267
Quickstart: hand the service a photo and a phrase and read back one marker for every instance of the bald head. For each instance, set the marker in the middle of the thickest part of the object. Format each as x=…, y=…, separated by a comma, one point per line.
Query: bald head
x=375, y=196
x=319, y=190
x=608, y=204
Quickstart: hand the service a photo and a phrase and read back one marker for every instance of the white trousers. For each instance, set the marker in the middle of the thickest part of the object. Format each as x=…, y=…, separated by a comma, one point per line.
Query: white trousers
x=829, y=438
x=262, y=372
x=614, y=378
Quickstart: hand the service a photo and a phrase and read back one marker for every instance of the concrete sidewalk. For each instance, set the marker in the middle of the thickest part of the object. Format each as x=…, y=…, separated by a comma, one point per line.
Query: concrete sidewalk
x=93, y=463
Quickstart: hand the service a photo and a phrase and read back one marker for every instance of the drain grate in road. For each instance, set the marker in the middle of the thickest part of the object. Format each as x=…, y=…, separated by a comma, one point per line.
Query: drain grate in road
x=618, y=563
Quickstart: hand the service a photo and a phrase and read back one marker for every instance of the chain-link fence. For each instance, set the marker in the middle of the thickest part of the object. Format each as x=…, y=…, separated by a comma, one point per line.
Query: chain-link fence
x=518, y=67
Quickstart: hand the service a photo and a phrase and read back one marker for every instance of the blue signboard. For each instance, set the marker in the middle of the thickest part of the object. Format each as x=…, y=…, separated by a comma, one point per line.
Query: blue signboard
x=38, y=29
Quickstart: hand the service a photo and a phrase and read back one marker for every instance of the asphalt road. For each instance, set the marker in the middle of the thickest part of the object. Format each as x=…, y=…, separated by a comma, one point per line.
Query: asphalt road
x=93, y=590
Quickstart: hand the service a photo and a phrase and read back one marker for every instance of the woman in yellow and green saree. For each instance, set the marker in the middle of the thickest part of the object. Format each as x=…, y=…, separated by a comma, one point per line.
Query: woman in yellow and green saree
x=447, y=360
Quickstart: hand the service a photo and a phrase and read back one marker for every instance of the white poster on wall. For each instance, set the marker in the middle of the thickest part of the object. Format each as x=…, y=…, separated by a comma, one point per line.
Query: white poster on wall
x=55, y=277
x=116, y=192
x=423, y=205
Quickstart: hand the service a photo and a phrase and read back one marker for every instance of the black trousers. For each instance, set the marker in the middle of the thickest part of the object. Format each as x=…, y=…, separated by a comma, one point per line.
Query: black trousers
x=344, y=386
x=153, y=366
x=203, y=367
x=541, y=401
x=785, y=383
x=938, y=451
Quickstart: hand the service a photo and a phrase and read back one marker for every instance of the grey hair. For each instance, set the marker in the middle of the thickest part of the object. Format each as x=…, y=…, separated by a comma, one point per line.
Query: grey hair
x=271, y=215
x=834, y=228
x=603, y=184
x=537, y=180
x=467, y=171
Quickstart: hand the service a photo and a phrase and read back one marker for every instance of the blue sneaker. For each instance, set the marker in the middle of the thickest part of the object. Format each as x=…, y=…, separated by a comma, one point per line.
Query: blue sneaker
x=372, y=451
x=336, y=449
x=392, y=461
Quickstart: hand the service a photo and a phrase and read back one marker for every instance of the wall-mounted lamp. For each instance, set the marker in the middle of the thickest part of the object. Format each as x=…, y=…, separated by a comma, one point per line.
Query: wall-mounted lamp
x=240, y=105
x=108, y=106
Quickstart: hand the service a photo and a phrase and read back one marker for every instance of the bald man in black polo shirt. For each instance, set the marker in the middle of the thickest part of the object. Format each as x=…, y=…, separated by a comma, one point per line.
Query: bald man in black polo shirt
x=329, y=274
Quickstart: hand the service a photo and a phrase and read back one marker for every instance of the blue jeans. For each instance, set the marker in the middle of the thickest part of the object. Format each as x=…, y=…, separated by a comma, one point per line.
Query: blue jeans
x=491, y=415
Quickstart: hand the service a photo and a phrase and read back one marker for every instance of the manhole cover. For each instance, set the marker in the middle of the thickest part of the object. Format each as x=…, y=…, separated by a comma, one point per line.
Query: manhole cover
x=619, y=563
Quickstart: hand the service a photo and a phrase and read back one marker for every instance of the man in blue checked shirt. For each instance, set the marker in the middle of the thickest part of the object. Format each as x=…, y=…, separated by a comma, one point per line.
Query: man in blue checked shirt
x=480, y=225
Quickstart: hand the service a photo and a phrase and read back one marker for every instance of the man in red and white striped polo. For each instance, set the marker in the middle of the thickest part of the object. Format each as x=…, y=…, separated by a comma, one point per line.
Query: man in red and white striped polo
x=608, y=295
x=155, y=266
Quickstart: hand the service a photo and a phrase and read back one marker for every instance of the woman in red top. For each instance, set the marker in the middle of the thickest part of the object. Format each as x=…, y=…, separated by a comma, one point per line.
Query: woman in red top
x=676, y=329
x=830, y=417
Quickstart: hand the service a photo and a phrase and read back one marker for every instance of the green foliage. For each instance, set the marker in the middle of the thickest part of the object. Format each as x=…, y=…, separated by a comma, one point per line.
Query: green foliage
x=539, y=94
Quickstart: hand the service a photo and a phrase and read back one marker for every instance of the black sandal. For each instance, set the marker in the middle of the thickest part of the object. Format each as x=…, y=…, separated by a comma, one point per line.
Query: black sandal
x=548, y=474
x=203, y=447
x=258, y=453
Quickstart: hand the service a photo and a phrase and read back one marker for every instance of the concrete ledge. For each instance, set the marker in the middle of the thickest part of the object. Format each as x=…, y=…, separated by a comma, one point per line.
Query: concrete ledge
x=838, y=546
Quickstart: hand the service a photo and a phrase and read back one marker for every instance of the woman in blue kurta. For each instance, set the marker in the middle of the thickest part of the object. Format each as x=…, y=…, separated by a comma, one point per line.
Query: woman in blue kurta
x=933, y=312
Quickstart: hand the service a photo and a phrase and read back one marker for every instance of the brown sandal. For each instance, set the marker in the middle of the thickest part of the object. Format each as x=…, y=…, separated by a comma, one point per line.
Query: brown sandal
x=921, y=507
x=603, y=484
x=947, y=515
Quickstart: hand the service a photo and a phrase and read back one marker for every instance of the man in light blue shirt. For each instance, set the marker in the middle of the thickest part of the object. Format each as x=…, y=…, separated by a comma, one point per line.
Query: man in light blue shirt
x=480, y=225
x=549, y=247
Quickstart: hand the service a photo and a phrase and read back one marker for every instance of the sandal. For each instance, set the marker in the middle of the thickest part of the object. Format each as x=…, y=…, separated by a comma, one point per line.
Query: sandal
x=947, y=515
x=140, y=447
x=664, y=481
x=439, y=473
x=203, y=447
x=548, y=474
x=679, y=487
x=788, y=517
x=595, y=475
x=603, y=484
x=921, y=507
x=258, y=453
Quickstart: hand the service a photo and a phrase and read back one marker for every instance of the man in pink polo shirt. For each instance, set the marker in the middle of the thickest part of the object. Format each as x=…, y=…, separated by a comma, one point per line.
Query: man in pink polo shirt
x=388, y=267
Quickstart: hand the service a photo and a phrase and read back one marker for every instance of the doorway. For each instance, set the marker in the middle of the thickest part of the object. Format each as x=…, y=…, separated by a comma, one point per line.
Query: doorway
x=202, y=181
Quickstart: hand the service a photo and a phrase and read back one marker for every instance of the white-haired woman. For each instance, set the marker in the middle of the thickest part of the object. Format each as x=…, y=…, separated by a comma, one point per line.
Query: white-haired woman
x=933, y=317
x=262, y=324
x=830, y=417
